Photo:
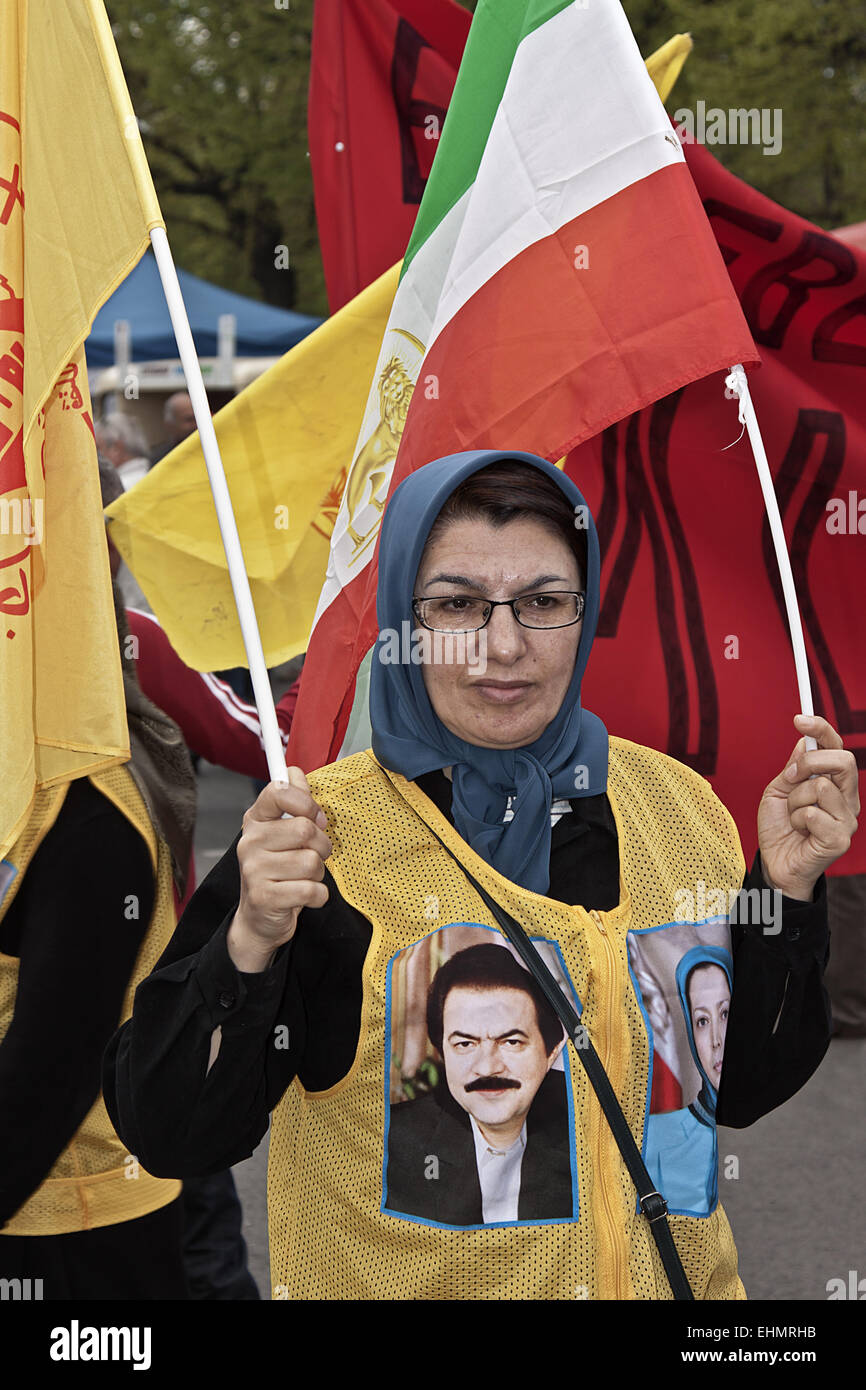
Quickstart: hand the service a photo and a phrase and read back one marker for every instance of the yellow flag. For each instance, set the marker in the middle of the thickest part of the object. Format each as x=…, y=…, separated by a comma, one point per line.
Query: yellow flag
x=665, y=65
x=71, y=154
x=286, y=443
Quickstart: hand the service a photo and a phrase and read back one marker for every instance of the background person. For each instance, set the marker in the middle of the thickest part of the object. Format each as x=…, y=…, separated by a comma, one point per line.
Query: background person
x=87, y=903
x=121, y=441
x=179, y=420
x=216, y=723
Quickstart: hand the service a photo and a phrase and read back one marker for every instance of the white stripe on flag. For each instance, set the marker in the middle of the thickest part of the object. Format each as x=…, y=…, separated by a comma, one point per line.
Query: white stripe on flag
x=579, y=121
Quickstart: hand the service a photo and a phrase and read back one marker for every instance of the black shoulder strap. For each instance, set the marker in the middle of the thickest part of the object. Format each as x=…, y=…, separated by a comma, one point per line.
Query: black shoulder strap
x=652, y=1203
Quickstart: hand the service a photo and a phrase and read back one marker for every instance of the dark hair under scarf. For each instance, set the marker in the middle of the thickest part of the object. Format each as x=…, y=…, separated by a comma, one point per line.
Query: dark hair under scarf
x=409, y=738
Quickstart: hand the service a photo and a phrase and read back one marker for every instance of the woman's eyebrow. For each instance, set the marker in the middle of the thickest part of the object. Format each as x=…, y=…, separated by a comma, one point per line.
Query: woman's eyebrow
x=465, y=583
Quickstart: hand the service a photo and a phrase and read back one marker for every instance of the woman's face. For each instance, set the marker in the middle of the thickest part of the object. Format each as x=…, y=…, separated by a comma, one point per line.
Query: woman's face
x=509, y=701
x=709, y=1002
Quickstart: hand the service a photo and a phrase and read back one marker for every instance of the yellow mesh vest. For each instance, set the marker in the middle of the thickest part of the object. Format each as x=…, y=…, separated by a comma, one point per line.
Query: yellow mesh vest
x=95, y=1181
x=329, y=1238
x=328, y=1235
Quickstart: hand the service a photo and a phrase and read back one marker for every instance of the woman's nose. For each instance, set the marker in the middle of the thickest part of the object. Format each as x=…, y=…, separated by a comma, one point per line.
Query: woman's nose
x=505, y=636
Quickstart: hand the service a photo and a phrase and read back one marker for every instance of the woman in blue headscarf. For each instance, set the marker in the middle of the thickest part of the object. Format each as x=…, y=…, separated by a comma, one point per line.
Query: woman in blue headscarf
x=517, y=730
x=681, y=1153
x=276, y=993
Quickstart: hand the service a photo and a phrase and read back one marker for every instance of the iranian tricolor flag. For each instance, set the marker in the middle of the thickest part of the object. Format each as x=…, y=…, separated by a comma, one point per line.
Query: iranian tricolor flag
x=561, y=275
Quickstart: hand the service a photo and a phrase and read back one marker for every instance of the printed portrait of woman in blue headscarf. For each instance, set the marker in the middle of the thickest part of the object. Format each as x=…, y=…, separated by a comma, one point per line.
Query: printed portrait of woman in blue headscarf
x=681, y=1153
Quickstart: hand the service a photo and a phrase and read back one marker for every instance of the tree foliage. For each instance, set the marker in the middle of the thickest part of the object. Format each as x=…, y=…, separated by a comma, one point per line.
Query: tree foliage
x=220, y=90
x=805, y=58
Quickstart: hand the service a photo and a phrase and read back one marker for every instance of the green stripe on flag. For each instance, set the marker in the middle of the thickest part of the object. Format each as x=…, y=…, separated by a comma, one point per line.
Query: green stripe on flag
x=498, y=29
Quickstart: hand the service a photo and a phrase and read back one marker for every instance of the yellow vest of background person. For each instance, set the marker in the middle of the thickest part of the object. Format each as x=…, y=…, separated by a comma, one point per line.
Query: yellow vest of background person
x=329, y=1236
x=95, y=1181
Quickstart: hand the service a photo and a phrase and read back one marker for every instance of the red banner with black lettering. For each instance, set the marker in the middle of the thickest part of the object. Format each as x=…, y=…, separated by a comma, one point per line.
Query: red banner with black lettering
x=381, y=79
x=693, y=654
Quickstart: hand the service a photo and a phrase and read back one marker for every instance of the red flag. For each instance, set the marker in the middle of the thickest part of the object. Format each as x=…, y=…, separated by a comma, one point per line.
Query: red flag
x=692, y=653
x=380, y=81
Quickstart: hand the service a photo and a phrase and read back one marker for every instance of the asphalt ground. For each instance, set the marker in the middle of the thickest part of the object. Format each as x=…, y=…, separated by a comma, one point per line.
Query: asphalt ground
x=790, y=1184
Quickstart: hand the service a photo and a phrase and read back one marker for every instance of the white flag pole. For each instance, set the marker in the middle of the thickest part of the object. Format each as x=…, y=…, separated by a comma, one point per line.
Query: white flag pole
x=737, y=383
x=222, y=501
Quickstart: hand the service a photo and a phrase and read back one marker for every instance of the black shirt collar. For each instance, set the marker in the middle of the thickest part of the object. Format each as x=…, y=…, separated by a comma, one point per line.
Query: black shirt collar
x=586, y=811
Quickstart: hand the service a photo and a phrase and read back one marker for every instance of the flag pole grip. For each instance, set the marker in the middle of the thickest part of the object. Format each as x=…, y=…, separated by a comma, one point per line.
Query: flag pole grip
x=263, y=694
x=738, y=383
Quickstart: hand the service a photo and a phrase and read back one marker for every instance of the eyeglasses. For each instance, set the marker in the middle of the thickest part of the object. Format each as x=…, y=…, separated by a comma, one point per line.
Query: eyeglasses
x=457, y=613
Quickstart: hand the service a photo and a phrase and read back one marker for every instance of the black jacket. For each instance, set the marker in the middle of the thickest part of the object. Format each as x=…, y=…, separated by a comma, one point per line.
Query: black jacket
x=182, y=1121
x=69, y=929
x=436, y=1126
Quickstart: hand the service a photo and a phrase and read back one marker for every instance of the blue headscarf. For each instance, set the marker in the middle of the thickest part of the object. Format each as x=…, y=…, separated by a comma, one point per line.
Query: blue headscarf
x=705, y=1105
x=409, y=738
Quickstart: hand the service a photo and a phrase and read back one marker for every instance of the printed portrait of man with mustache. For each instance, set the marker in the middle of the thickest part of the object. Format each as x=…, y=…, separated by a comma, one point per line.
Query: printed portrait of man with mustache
x=490, y=1144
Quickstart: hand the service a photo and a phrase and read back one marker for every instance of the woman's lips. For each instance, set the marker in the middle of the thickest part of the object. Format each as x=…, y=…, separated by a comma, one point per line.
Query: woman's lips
x=501, y=694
